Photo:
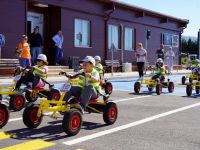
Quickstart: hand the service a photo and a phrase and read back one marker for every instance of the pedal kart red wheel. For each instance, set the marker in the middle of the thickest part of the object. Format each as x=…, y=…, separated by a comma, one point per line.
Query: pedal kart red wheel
x=189, y=90
x=108, y=88
x=17, y=102
x=72, y=122
x=171, y=87
x=54, y=94
x=183, y=80
x=110, y=113
x=137, y=87
x=158, y=89
x=30, y=118
x=4, y=115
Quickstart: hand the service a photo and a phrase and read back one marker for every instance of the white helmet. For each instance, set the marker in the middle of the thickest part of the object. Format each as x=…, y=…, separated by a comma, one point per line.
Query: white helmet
x=97, y=58
x=159, y=60
x=89, y=59
x=42, y=57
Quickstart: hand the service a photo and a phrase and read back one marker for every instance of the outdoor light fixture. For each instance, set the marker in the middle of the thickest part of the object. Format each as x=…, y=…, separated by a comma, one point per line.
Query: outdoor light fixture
x=41, y=5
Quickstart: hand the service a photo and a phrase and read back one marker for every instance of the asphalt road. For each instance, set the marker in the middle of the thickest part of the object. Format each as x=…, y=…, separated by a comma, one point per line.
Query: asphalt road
x=145, y=122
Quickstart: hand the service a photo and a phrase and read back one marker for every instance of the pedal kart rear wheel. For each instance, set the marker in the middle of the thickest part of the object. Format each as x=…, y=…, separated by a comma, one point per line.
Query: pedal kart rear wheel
x=17, y=102
x=183, y=80
x=29, y=96
x=171, y=87
x=108, y=88
x=30, y=118
x=189, y=90
x=158, y=89
x=137, y=87
x=54, y=94
x=110, y=113
x=72, y=122
x=4, y=115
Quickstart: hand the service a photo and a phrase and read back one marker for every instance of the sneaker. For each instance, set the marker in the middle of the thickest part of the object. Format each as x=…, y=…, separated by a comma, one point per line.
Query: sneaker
x=83, y=110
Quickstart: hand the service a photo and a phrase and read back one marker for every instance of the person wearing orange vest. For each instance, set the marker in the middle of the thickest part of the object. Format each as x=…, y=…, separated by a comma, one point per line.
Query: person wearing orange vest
x=24, y=52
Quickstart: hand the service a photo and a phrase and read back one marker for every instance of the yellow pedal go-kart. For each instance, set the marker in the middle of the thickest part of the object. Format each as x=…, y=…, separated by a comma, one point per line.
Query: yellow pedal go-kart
x=191, y=78
x=195, y=85
x=72, y=119
x=152, y=84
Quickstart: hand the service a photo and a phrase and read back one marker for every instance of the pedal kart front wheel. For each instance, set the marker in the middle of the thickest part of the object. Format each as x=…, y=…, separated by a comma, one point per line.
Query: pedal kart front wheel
x=110, y=113
x=17, y=102
x=72, y=122
x=158, y=89
x=30, y=118
x=171, y=87
x=183, y=80
x=108, y=88
x=189, y=90
x=4, y=115
x=137, y=87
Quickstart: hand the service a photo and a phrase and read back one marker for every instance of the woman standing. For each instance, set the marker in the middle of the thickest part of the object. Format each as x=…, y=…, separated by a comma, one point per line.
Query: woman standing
x=170, y=59
x=141, y=55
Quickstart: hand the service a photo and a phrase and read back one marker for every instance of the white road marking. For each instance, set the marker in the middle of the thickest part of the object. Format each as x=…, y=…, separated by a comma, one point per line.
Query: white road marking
x=116, y=101
x=123, y=127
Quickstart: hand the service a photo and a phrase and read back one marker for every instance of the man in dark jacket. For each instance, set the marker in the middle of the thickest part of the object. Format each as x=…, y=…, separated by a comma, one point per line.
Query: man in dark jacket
x=161, y=52
x=36, y=44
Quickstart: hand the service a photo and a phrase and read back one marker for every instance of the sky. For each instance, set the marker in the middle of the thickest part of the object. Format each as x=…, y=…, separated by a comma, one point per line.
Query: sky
x=184, y=9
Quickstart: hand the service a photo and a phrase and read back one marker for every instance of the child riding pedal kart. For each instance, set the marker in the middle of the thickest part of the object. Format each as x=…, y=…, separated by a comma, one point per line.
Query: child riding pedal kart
x=195, y=75
x=77, y=101
x=105, y=84
x=156, y=81
x=35, y=80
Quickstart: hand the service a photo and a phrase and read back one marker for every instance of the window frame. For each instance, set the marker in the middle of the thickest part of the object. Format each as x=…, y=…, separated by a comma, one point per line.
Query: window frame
x=90, y=33
x=119, y=36
x=133, y=38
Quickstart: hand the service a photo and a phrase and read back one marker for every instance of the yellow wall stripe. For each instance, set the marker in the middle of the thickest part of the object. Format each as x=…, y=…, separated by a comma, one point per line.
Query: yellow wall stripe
x=32, y=145
x=4, y=135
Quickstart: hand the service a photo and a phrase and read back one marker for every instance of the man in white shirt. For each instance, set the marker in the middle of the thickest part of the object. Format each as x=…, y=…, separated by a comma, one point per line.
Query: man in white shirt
x=58, y=40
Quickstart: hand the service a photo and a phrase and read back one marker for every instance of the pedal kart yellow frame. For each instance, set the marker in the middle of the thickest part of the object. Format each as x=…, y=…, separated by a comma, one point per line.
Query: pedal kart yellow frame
x=151, y=84
x=191, y=78
x=72, y=120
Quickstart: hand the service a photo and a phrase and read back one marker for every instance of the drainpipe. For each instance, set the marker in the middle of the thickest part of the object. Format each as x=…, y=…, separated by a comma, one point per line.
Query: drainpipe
x=107, y=18
x=26, y=9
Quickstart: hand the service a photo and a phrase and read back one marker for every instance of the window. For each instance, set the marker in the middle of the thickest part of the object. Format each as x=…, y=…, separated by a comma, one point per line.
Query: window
x=82, y=33
x=167, y=39
x=175, y=40
x=113, y=36
x=128, y=37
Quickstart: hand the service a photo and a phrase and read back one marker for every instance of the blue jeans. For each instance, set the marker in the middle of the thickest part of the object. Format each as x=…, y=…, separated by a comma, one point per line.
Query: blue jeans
x=25, y=62
x=59, y=55
x=35, y=51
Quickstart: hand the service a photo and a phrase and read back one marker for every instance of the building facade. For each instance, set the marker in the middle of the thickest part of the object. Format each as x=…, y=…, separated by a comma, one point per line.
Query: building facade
x=90, y=27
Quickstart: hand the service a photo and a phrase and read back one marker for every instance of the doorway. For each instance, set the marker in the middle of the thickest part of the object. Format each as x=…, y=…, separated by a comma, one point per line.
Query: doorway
x=49, y=21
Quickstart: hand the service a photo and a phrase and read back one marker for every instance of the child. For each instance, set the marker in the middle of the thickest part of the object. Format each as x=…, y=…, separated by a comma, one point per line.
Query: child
x=89, y=83
x=196, y=69
x=159, y=70
x=36, y=77
x=23, y=50
x=99, y=66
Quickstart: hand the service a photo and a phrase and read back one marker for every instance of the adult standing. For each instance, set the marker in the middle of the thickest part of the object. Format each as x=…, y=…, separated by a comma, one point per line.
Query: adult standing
x=23, y=50
x=161, y=52
x=36, y=44
x=141, y=55
x=58, y=40
x=170, y=59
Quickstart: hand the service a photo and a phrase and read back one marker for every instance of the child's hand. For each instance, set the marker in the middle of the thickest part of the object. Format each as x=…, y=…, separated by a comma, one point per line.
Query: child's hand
x=88, y=75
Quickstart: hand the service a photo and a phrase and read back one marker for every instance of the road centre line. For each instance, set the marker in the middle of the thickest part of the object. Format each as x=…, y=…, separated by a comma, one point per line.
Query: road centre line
x=116, y=101
x=126, y=126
